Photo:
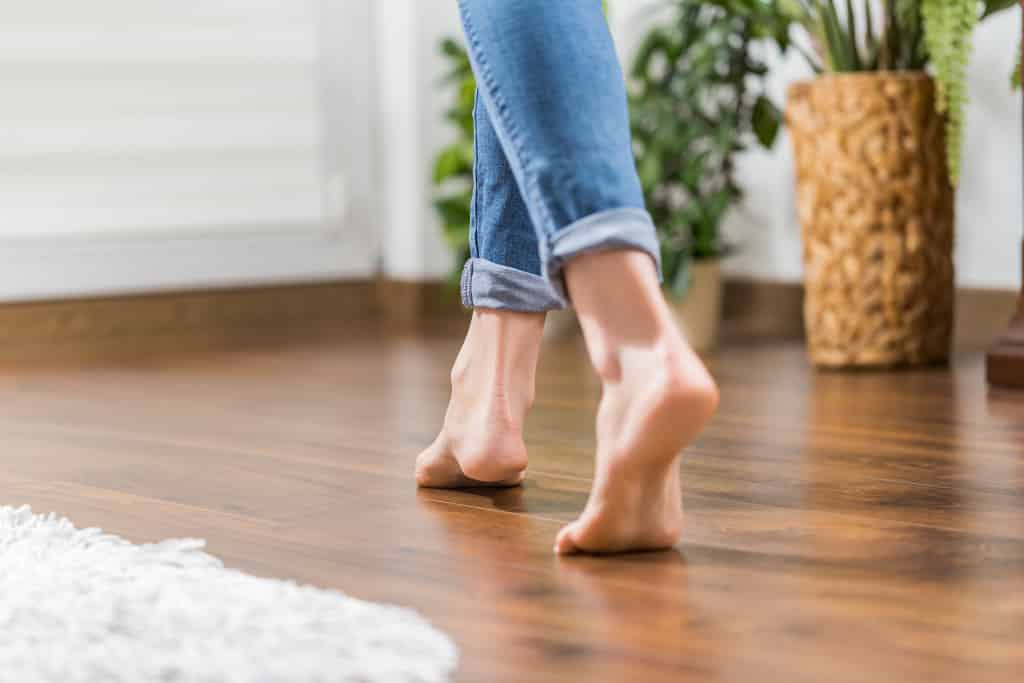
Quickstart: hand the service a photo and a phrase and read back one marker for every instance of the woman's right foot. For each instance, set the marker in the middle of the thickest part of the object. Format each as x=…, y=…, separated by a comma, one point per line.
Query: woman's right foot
x=481, y=442
x=657, y=396
x=658, y=404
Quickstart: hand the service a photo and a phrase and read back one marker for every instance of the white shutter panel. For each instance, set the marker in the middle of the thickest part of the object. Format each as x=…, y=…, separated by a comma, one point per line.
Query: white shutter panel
x=141, y=120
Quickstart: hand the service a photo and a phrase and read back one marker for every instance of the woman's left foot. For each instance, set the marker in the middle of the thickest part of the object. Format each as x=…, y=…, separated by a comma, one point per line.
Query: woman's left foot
x=481, y=442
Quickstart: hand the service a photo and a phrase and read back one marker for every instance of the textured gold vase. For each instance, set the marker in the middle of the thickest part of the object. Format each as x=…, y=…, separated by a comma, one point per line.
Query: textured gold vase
x=876, y=212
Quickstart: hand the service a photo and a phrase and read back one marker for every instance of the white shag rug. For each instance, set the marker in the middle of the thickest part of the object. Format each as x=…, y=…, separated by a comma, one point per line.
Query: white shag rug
x=82, y=606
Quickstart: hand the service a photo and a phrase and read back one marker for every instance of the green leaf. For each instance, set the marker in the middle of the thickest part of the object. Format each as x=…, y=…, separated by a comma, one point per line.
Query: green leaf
x=649, y=170
x=766, y=120
x=870, y=40
x=451, y=48
x=654, y=43
x=993, y=6
x=456, y=235
x=725, y=136
x=682, y=279
x=851, y=32
x=454, y=160
x=695, y=169
x=837, y=39
x=466, y=96
x=716, y=207
x=454, y=212
x=790, y=10
x=948, y=25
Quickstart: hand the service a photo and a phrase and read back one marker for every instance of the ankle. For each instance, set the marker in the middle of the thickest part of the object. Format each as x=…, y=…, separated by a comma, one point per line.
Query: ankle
x=689, y=388
x=668, y=372
x=620, y=305
x=495, y=372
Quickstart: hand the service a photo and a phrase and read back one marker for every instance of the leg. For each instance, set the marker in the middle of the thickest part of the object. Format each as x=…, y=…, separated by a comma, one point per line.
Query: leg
x=550, y=80
x=481, y=441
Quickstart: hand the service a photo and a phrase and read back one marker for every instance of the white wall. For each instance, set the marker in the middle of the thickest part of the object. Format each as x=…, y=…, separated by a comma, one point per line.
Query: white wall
x=989, y=201
x=410, y=131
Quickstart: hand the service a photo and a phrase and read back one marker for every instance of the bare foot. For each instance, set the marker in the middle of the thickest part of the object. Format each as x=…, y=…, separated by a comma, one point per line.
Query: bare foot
x=644, y=421
x=656, y=398
x=481, y=442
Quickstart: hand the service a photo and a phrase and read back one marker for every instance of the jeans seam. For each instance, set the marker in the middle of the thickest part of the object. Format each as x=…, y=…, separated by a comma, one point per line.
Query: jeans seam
x=474, y=227
x=533, y=194
x=467, y=283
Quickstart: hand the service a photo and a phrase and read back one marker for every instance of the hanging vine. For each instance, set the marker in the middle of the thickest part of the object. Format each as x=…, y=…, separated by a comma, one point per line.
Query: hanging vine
x=948, y=25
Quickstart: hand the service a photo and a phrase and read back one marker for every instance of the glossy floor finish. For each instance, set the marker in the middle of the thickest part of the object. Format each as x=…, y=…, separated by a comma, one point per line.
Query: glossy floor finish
x=840, y=527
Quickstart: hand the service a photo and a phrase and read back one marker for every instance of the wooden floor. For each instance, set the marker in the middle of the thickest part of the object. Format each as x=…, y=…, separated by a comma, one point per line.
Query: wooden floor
x=840, y=527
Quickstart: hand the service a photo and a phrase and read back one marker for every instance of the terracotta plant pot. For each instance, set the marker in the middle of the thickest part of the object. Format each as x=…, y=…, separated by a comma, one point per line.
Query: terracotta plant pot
x=876, y=211
x=699, y=313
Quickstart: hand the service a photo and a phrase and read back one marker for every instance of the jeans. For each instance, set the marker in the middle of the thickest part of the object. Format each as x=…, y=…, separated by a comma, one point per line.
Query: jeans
x=554, y=175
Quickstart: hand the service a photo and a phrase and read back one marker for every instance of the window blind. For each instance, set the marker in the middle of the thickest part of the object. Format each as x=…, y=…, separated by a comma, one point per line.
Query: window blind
x=122, y=118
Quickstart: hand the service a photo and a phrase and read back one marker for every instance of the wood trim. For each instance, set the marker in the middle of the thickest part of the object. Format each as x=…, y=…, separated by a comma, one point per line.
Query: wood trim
x=116, y=327
x=403, y=302
x=981, y=316
x=755, y=309
x=1004, y=364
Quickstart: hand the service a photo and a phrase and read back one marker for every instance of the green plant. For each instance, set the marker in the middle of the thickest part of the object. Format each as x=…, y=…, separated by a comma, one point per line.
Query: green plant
x=696, y=100
x=899, y=35
x=948, y=28
x=453, y=167
x=882, y=35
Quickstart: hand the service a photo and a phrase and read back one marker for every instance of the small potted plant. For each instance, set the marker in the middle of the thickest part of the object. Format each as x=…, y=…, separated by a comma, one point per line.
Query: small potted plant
x=697, y=99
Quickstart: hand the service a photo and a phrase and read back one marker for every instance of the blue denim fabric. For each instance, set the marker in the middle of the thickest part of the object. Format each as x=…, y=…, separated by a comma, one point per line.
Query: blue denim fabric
x=554, y=172
x=504, y=270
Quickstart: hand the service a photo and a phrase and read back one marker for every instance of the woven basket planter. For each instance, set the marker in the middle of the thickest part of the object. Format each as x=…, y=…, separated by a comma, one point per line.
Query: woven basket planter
x=876, y=210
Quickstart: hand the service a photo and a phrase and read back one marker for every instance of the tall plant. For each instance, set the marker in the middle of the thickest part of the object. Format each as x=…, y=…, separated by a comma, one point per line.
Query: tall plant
x=697, y=99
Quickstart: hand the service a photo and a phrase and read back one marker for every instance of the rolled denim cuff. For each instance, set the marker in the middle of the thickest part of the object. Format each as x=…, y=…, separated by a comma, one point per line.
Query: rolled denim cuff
x=615, y=229
x=486, y=284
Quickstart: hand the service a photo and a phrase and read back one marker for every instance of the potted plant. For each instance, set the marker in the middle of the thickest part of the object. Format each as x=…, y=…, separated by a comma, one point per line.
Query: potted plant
x=696, y=100
x=876, y=139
